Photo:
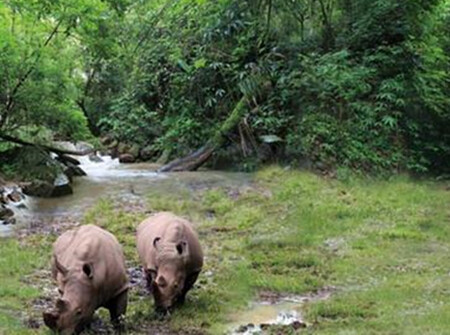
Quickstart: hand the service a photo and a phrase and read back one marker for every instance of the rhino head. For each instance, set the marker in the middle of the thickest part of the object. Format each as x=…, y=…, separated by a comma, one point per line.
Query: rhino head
x=75, y=307
x=169, y=278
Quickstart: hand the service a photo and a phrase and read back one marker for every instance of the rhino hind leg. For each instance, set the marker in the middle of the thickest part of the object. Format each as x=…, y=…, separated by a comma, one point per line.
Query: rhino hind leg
x=117, y=308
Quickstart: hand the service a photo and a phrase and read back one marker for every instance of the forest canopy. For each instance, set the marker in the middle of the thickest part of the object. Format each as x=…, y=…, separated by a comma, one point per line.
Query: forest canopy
x=359, y=84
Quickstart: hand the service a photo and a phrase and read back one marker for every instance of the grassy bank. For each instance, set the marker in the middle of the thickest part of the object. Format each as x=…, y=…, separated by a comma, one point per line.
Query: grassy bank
x=383, y=245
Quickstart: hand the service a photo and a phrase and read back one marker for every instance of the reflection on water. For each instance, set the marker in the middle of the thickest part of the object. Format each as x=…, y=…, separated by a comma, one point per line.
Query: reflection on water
x=111, y=179
x=265, y=313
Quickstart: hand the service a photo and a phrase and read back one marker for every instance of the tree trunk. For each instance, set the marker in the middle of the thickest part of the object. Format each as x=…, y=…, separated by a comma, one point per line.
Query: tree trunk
x=196, y=159
x=57, y=151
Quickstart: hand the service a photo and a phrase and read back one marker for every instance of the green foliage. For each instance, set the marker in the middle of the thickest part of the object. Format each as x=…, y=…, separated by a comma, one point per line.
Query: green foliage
x=338, y=87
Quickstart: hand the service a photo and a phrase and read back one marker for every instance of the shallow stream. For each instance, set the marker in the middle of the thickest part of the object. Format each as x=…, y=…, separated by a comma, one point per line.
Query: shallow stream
x=122, y=182
x=130, y=183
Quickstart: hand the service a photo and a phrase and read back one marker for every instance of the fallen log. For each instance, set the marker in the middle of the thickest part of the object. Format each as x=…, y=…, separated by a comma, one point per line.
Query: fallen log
x=57, y=151
x=199, y=157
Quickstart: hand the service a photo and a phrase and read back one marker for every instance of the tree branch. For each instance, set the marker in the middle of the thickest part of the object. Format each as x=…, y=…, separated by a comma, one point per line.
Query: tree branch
x=45, y=147
x=22, y=80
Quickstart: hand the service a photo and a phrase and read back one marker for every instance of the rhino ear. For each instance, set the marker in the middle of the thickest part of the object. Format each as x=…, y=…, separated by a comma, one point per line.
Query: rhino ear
x=155, y=242
x=88, y=270
x=60, y=267
x=182, y=248
x=51, y=319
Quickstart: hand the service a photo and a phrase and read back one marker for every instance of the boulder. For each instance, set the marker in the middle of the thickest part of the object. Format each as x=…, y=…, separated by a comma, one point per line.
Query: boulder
x=5, y=213
x=106, y=140
x=113, y=144
x=3, y=196
x=39, y=188
x=134, y=150
x=164, y=158
x=147, y=153
x=68, y=159
x=14, y=196
x=84, y=147
x=126, y=158
x=61, y=186
x=94, y=158
x=8, y=221
x=73, y=171
x=65, y=145
x=122, y=148
x=113, y=149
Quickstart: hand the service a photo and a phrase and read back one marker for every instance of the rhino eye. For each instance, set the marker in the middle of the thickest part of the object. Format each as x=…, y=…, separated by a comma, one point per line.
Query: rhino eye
x=60, y=291
x=78, y=312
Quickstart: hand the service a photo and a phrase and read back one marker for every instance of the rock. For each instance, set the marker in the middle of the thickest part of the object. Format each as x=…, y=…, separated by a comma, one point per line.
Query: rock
x=164, y=158
x=68, y=159
x=106, y=140
x=14, y=196
x=94, y=158
x=113, y=149
x=73, y=171
x=84, y=147
x=65, y=145
x=61, y=186
x=126, y=158
x=122, y=148
x=134, y=150
x=242, y=329
x=8, y=221
x=264, y=326
x=38, y=188
x=147, y=153
x=298, y=324
x=5, y=213
x=113, y=144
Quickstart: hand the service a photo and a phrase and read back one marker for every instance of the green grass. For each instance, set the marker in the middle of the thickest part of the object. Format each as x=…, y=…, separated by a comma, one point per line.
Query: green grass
x=383, y=244
x=17, y=261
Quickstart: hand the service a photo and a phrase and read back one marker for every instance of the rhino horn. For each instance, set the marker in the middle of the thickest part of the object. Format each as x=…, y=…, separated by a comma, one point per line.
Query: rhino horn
x=60, y=267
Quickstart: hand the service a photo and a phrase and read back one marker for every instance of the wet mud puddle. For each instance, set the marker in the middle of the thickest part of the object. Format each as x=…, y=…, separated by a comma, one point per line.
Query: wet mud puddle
x=274, y=312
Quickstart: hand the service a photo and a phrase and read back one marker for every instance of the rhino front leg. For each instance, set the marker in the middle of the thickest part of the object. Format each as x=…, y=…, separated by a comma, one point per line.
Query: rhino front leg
x=117, y=309
x=190, y=281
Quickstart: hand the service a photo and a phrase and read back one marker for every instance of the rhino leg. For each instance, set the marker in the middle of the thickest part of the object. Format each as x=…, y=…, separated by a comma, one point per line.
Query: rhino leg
x=117, y=308
x=189, y=282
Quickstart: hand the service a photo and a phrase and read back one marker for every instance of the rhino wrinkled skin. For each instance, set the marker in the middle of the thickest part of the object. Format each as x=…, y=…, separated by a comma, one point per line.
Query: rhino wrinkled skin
x=171, y=256
x=89, y=267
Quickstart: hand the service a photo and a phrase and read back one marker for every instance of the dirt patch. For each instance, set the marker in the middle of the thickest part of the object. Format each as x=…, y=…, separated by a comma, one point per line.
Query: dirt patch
x=42, y=226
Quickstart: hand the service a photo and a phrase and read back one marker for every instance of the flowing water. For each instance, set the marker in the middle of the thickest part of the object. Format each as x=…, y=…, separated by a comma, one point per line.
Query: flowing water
x=123, y=182
x=131, y=183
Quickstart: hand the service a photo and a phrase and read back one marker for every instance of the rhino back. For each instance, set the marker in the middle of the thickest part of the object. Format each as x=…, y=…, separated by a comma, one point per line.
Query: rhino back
x=93, y=245
x=171, y=229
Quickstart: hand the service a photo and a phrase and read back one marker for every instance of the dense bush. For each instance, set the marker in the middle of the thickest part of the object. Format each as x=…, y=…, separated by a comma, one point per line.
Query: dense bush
x=363, y=84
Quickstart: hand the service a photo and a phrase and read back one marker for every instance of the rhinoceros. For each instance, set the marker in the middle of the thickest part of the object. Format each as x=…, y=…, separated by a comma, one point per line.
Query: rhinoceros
x=89, y=268
x=171, y=256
